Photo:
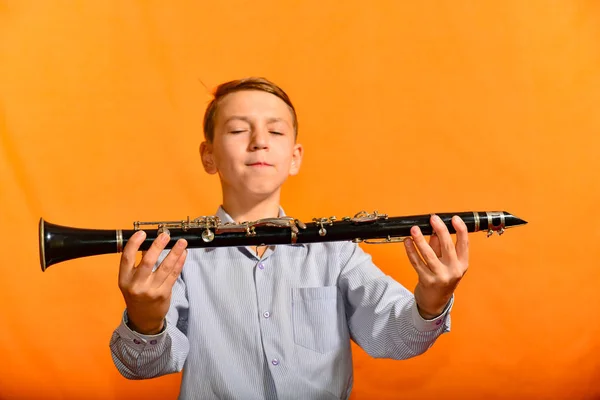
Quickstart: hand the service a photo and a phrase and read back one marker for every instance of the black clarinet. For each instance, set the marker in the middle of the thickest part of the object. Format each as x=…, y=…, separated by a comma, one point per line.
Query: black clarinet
x=61, y=243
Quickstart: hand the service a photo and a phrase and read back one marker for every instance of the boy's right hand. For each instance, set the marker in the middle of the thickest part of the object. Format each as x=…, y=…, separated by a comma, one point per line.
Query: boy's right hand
x=147, y=293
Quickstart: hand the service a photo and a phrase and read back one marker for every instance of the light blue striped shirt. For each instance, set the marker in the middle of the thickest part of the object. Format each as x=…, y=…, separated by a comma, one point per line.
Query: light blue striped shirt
x=278, y=327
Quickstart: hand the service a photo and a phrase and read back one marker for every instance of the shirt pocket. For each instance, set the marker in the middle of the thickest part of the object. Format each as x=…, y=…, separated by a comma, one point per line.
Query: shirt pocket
x=319, y=318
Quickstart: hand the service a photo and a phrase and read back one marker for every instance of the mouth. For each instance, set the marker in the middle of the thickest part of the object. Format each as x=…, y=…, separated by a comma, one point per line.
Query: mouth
x=259, y=164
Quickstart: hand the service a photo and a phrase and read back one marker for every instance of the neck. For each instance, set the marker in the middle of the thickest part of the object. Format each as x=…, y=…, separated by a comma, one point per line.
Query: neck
x=247, y=208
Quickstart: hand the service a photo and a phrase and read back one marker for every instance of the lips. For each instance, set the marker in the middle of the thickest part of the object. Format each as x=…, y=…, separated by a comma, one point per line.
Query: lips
x=259, y=164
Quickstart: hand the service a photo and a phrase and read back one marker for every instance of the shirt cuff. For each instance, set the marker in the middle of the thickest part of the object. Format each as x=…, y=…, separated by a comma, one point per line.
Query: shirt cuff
x=427, y=325
x=137, y=340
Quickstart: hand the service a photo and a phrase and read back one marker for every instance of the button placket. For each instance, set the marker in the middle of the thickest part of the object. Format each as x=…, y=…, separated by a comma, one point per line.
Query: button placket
x=262, y=278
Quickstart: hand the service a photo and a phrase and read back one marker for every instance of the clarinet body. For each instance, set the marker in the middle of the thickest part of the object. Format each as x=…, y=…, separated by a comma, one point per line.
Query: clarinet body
x=59, y=243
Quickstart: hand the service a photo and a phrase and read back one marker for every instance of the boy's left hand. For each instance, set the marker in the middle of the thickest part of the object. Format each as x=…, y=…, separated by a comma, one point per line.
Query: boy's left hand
x=440, y=265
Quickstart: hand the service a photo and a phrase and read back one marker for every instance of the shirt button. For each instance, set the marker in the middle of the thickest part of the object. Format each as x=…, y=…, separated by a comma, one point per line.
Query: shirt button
x=153, y=342
x=275, y=361
x=266, y=314
x=438, y=322
x=136, y=341
x=261, y=266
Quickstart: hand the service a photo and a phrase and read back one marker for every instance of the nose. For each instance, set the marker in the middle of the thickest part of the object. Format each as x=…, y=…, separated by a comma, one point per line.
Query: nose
x=259, y=140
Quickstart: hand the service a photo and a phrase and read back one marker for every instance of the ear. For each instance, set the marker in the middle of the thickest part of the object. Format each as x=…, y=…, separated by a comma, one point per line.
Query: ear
x=208, y=161
x=296, y=159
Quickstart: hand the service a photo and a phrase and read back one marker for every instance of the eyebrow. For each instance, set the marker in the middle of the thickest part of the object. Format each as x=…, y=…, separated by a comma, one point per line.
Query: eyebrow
x=246, y=119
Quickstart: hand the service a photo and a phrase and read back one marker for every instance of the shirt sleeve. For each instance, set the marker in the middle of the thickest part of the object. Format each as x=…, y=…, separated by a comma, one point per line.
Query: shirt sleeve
x=382, y=314
x=139, y=356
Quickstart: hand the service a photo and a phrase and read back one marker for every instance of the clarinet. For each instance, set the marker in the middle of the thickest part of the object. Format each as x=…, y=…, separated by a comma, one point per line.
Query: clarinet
x=59, y=243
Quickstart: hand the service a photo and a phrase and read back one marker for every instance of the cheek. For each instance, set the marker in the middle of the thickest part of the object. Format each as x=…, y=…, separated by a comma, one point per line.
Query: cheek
x=285, y=151
x=228, y=157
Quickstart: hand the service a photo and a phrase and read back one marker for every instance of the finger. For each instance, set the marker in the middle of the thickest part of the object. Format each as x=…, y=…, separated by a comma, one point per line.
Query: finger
x=462, y=241
x=429, y=256
x=168, y=264
x=143, y=271
x=127, y=264
x=441, y=230
x=415, y=258
x=141, y=256
x=176, y=271
x=434, y=243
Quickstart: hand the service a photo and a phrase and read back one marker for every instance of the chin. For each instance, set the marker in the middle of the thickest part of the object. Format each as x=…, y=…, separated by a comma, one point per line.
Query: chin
x=262, y=190
x=261, y=193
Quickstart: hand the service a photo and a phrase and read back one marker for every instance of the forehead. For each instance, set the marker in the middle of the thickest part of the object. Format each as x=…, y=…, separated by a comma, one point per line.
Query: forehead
x=253, y=103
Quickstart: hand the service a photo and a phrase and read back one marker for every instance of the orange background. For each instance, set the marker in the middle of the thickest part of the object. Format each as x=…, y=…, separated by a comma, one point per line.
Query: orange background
x=405, y=107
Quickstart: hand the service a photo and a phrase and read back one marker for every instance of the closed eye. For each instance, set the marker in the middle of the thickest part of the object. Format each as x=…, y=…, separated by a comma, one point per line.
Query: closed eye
x=276, y=133
x=238, y=131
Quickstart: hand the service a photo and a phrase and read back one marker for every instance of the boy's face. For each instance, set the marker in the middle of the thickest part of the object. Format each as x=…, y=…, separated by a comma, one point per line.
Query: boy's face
x=253, y=149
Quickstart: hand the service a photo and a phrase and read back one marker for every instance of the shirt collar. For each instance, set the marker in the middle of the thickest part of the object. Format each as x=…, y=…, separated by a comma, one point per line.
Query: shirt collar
x=225, y=217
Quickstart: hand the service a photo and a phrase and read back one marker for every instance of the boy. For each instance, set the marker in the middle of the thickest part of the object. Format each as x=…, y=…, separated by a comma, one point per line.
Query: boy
x=273, y=322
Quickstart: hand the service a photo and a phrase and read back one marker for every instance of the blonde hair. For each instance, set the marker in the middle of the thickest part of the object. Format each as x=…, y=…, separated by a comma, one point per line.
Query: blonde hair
x=251, y=83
